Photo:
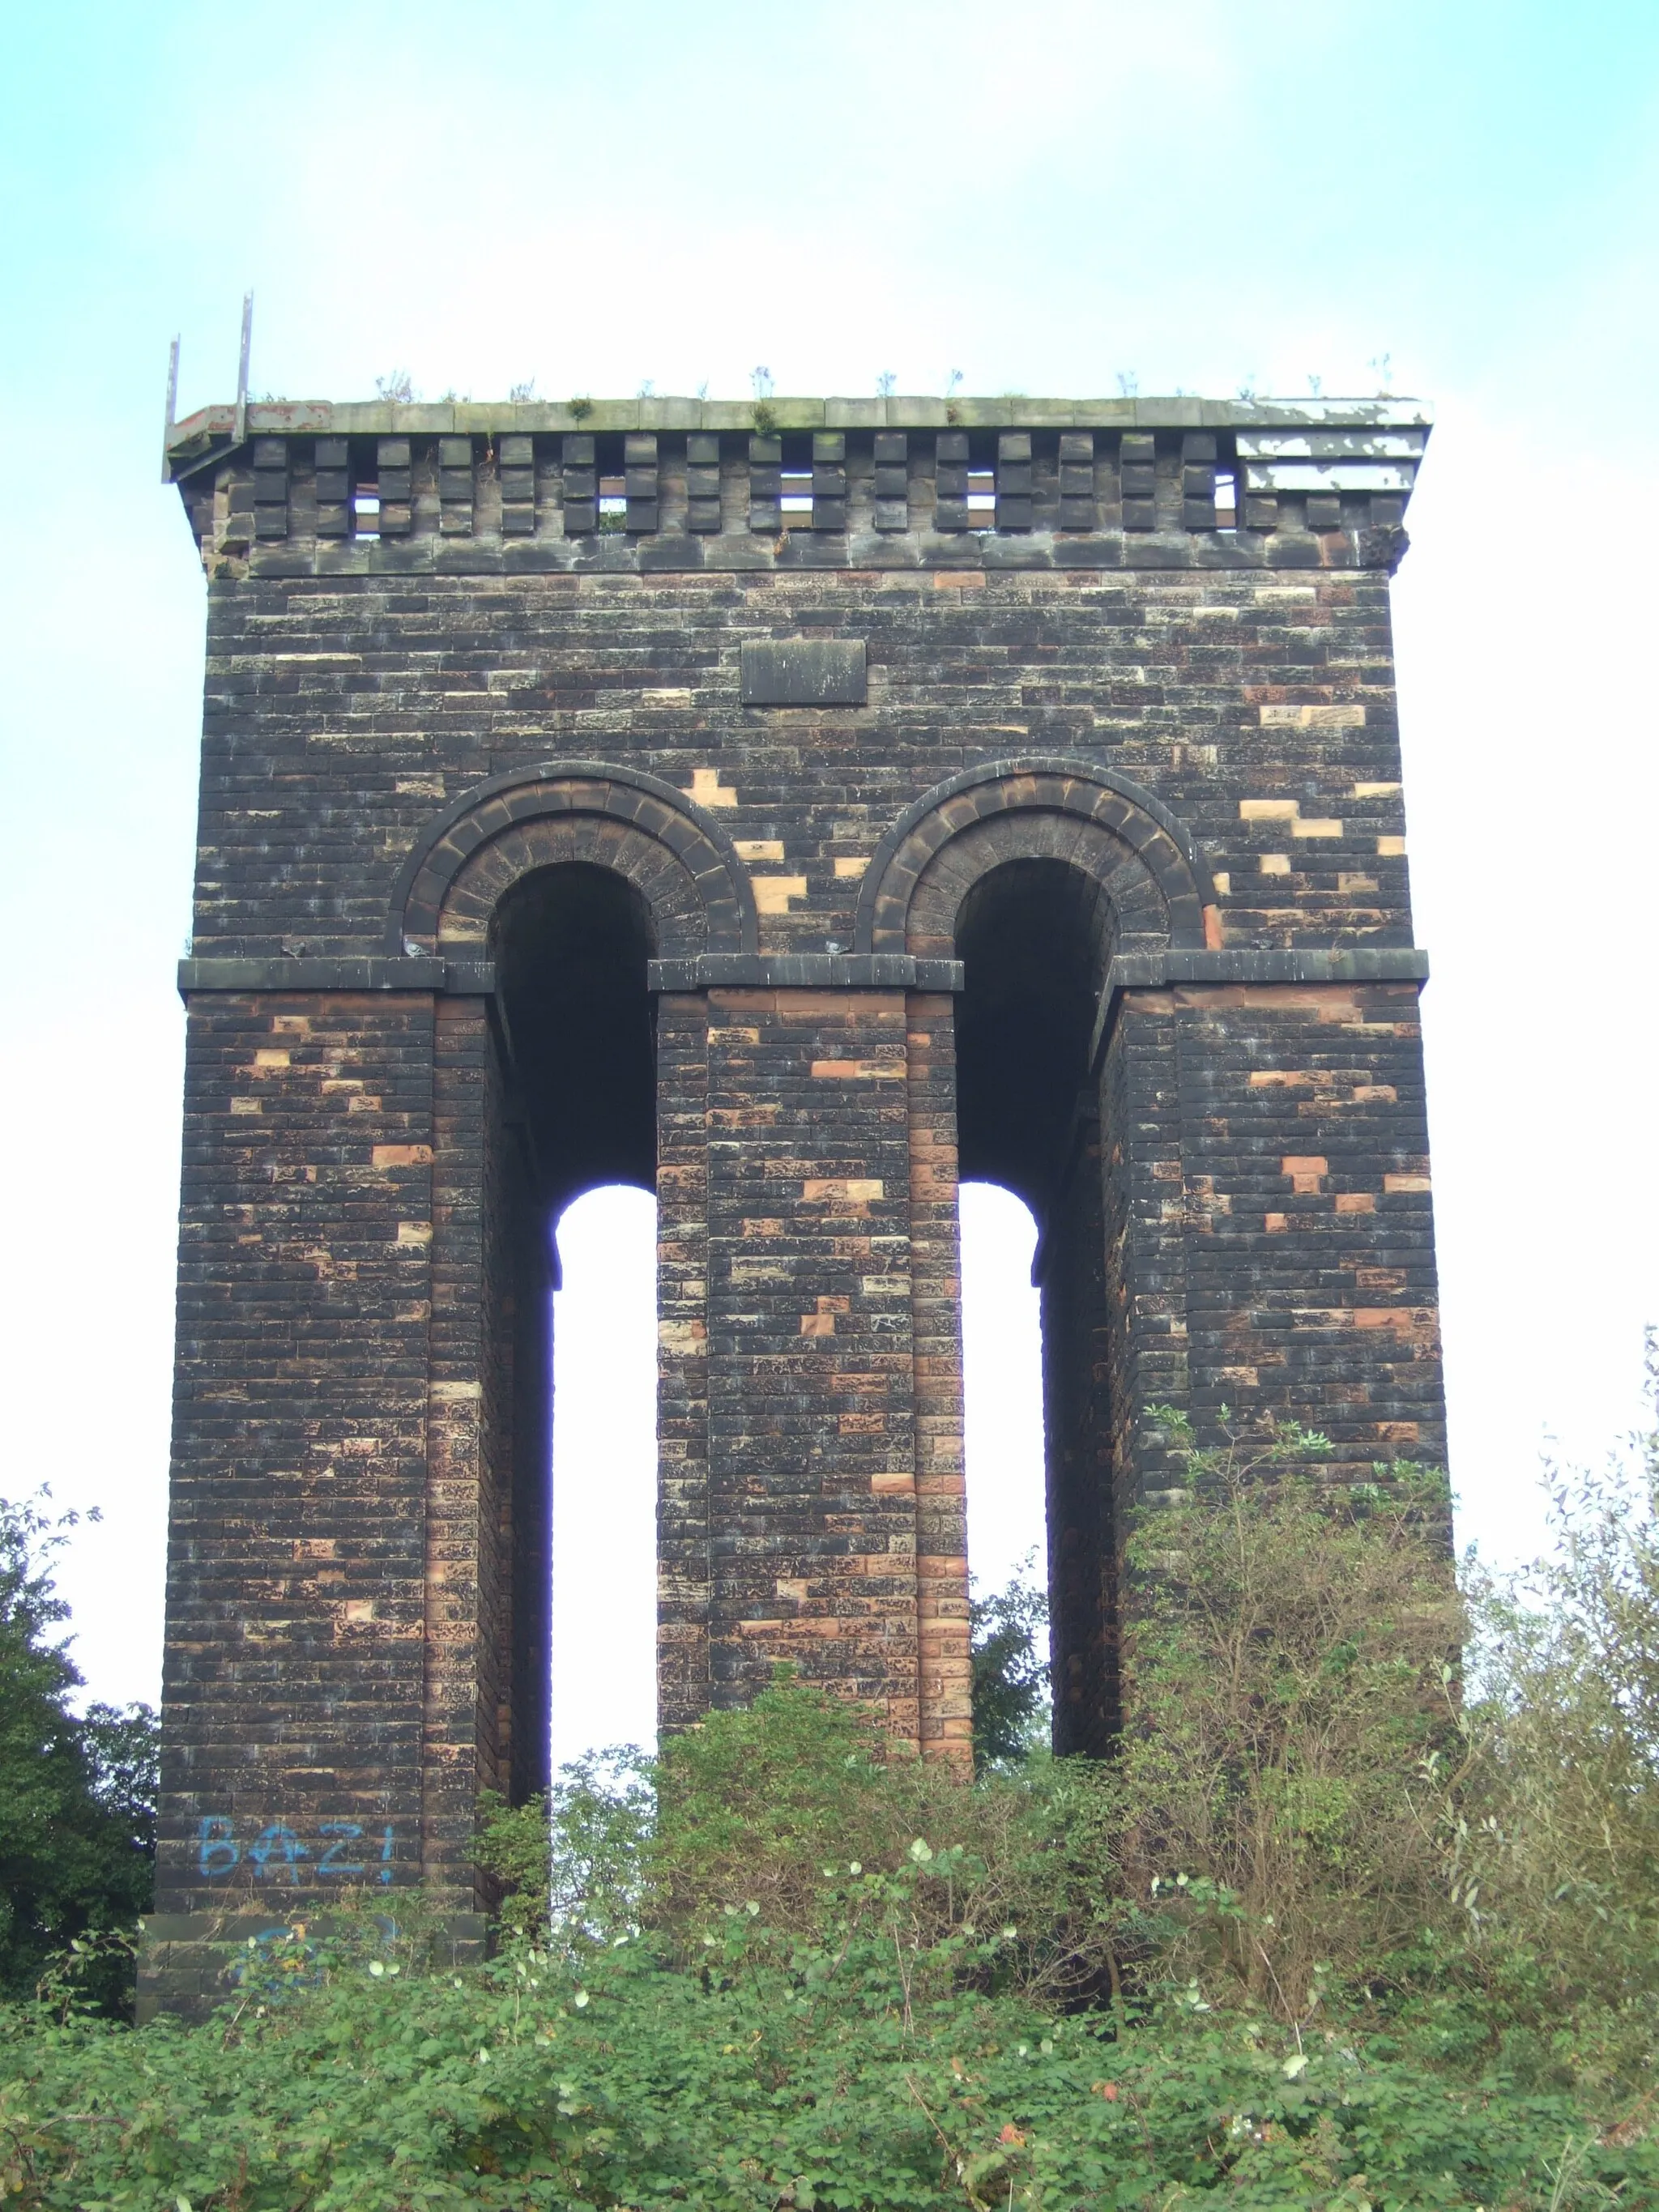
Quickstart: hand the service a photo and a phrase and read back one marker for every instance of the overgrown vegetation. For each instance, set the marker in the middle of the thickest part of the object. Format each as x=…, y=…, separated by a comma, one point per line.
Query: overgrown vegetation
x=1292, y=1676
x=1351, y=1923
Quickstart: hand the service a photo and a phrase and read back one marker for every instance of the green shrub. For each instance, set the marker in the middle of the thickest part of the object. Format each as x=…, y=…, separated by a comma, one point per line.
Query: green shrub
x=864, y=2067
x=1552, y=1820
x=763, y=1811
x=1288, y=1673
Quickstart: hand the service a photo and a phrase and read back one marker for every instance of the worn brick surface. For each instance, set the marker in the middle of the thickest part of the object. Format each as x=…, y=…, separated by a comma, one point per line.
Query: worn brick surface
x=398, y=1067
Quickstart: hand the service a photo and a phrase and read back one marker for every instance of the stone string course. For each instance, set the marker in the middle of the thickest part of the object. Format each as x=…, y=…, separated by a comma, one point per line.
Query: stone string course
x=510, y=682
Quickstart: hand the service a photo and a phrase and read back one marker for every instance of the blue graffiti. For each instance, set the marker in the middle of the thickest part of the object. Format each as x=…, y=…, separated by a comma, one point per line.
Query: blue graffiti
x=218, y=1850
x=278, y=1841
x=331, y=1863
x=276, y=1853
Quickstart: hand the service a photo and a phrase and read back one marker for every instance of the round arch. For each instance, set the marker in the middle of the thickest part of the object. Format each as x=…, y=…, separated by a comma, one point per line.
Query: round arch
x=1035, y=807
x=683, y=863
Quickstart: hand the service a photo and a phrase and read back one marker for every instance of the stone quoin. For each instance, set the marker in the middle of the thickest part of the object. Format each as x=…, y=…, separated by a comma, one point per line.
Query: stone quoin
x=789, y=810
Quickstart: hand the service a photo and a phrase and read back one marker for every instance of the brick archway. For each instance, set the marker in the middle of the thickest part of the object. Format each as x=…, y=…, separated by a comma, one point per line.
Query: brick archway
x=682, y=861
x=516, y=871
x=1046, y=806
x=1034, y=873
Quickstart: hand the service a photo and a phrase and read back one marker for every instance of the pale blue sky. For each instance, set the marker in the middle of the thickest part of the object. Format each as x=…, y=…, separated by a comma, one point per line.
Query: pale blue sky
x=1195, y=194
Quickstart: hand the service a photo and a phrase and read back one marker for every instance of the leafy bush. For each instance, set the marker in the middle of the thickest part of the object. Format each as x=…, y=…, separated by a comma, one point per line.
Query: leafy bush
x=863, y=2068
x=753, y=1812
x=1330, y=1933
x=1552, y=1820
x=1288, y=1671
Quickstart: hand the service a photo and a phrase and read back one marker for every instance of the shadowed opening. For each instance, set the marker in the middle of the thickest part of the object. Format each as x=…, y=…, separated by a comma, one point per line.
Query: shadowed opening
x=571, y=948
x=576, y=1098
x=1035, y=938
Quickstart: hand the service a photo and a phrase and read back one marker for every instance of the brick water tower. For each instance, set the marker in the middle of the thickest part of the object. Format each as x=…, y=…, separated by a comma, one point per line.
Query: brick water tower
x=788, y=810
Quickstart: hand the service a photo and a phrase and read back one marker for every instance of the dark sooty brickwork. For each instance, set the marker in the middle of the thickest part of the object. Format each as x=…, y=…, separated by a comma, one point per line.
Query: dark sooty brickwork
x=787, y=815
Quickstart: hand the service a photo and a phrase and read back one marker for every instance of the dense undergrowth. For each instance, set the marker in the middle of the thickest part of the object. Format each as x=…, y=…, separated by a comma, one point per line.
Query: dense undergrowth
x=1341, y=1927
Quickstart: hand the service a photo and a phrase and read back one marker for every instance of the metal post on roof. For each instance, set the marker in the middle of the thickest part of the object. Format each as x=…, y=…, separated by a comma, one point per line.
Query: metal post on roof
x=242, y=371
x=173, y=408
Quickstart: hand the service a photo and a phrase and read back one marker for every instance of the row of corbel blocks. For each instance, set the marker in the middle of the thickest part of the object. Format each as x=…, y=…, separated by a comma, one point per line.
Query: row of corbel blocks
x=965, y=498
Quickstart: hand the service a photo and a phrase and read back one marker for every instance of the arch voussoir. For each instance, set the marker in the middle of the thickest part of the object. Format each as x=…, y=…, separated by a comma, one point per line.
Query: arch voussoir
x=682, y=861
x=1089, y=815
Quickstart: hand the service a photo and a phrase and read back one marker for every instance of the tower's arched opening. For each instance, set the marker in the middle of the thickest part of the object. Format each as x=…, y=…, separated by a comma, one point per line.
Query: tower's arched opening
x=571, y=945
x=578, y=1113
x=1035, y=938
x=1002, y=1393
x=605, y=1475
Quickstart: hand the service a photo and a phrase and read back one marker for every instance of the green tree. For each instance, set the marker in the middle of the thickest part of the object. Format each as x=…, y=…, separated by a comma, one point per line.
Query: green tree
x=1010, y=1637
x=1553, y=1818
x=78, y=1810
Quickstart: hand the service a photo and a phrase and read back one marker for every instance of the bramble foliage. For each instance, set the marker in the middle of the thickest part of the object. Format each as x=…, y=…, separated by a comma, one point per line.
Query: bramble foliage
x=1334, y=1934
x=78, y=1797
x=864, y=2067
x=754, y=1805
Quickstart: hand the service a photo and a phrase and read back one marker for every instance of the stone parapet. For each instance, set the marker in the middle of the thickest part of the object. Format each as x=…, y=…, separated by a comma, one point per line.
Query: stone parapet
x=657, y=487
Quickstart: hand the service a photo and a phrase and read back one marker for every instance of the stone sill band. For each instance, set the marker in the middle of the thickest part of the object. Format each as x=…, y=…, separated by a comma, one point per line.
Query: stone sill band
x=1152, y=971
x=1129, y=971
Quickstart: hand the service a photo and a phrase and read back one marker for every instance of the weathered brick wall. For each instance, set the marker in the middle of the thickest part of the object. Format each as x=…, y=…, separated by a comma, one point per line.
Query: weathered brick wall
x=343, y=716
x=1193, y=723
x=812, y=1399
x=297, y=1588
x=1310, y=1280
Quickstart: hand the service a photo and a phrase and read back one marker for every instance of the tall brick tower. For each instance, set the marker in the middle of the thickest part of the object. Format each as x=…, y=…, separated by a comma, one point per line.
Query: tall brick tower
x=788, y=810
